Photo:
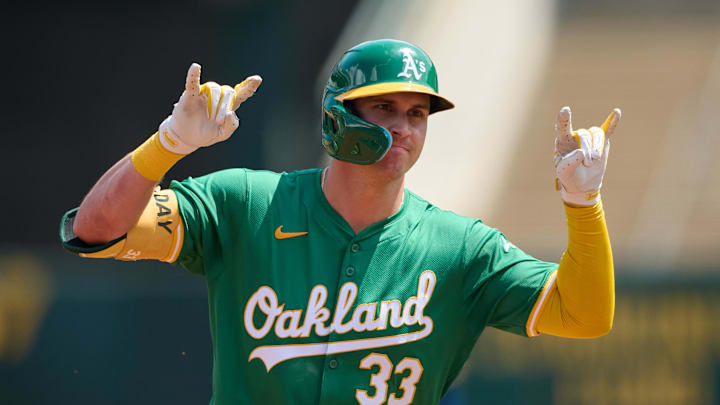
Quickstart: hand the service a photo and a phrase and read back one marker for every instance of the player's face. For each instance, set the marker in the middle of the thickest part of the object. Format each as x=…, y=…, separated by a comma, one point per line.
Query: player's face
x=405, y=116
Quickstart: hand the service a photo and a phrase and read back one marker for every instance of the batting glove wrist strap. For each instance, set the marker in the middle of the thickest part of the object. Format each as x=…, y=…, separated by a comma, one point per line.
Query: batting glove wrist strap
x=585, y=199
x=171, y=141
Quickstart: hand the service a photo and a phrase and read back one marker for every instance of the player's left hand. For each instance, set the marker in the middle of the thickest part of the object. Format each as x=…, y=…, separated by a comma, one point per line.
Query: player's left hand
x=581, y=157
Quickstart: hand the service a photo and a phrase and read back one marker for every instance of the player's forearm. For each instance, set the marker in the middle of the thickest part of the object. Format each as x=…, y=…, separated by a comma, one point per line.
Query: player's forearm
x=204, y=115
x=114, y=204
x=582, y=301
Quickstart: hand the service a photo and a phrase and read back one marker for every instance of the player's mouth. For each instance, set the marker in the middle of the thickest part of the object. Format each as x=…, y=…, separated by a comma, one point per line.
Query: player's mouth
x=399, y=148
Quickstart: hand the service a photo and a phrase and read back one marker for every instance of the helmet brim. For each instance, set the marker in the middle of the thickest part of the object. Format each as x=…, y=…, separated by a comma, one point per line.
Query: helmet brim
x=437, y=102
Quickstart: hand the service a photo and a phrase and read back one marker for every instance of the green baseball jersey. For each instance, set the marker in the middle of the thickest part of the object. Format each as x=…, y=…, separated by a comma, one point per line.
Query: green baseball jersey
x=305, y=311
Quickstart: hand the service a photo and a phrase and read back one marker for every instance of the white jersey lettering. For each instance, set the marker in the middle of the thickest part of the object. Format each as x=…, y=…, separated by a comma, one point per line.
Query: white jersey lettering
x=287, y=322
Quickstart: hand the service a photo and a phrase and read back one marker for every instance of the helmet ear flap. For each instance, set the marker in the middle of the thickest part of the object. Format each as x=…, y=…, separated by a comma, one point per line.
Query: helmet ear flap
x=350, y=138
x=338, y=119
x=330, y=123
x=333, y=129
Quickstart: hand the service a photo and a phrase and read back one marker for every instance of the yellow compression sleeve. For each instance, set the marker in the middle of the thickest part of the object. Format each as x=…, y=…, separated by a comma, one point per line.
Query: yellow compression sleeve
x=152, y=160
x=581, y=303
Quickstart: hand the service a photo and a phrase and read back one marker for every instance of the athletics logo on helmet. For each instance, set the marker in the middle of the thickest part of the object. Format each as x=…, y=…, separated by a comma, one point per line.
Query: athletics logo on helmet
x=370, y=69
x=410, y=65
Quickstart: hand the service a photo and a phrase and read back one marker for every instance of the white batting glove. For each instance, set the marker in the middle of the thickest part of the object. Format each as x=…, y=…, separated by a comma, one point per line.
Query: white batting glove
x=205, y=114
x=581, y=157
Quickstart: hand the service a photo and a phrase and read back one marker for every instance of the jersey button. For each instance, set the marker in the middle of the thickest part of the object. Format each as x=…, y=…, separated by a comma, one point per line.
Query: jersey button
x=333, y=363
x=349, y=271
x=355, y=247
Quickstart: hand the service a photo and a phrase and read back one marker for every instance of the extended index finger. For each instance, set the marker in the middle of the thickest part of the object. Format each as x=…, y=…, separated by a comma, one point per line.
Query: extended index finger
x=192, y=83
x=563, y=127
x=611, y=122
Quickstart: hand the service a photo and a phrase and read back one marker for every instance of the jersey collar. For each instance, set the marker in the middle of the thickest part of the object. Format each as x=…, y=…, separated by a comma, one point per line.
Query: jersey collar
x=390, y=223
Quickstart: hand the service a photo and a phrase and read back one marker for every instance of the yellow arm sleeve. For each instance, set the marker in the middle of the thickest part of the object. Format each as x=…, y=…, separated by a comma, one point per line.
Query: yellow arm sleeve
x=157, y=235
x=581, y=302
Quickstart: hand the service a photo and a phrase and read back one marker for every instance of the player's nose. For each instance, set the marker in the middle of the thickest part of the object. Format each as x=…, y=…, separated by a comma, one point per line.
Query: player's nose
x=400, y=127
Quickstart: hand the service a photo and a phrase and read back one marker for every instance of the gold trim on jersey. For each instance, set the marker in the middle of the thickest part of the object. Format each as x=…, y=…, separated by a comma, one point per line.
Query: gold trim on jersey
x=530, y=326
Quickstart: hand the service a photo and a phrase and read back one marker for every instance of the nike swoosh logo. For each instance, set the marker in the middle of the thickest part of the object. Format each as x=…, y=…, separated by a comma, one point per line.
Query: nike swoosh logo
x=279, y=234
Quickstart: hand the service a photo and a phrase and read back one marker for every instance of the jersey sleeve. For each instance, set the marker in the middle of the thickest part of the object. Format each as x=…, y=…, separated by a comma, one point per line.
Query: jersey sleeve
x=504, y=285
x=209, y=206
x=157, y=234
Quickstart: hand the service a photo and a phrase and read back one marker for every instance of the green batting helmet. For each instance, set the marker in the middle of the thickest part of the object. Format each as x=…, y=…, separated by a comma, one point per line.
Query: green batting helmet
x=370, y=69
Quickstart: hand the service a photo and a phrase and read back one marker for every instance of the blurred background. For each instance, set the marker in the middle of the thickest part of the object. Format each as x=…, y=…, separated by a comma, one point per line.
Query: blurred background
x=89, y=81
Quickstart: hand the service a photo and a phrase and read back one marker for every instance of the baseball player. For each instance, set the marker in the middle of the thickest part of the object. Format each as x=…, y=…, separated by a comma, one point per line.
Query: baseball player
x=338, y=285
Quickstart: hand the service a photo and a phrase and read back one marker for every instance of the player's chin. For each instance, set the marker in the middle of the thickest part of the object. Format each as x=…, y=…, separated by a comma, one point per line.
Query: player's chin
x=396, y=164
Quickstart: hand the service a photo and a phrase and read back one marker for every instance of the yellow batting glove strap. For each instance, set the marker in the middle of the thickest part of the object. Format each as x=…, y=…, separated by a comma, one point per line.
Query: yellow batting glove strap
x=581, y=303
x=152, y=160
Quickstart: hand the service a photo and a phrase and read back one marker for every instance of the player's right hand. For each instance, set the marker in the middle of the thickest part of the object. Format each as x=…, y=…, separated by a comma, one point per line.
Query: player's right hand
x=205, y=114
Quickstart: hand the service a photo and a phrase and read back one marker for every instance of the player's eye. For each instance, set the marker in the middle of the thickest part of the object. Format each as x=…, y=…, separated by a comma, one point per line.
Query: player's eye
x=383, y=106
x=417, y=113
